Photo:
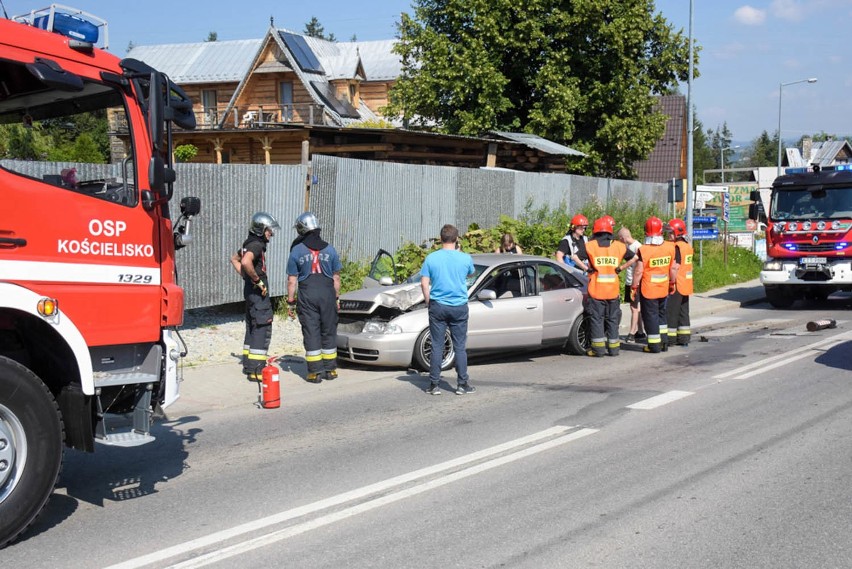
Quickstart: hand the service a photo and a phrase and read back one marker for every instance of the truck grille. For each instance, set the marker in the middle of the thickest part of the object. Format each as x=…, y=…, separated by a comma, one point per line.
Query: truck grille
x=818, y=248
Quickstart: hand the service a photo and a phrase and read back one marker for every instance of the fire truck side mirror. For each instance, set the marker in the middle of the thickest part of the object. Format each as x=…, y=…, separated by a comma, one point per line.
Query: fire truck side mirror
x=190, y=206
x=159, y=175
x=754, y=208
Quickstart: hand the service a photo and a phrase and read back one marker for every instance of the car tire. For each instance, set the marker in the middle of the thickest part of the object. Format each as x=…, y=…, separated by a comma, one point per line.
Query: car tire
x=578, y=337
x=423, y=351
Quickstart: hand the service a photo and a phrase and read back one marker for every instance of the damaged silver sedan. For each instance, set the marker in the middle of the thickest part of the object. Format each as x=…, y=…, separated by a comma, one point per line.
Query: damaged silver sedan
x=517, y=302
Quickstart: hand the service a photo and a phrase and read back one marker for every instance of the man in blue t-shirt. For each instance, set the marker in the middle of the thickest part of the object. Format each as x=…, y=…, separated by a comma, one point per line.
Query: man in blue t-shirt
x=443, y=279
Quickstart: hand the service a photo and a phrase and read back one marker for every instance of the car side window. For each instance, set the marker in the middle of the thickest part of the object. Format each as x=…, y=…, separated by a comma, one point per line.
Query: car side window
x=550, y=278
x=506, y=283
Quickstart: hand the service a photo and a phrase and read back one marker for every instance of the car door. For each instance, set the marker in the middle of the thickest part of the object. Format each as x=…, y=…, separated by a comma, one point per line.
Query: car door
x=514, y=318
x=562, y=300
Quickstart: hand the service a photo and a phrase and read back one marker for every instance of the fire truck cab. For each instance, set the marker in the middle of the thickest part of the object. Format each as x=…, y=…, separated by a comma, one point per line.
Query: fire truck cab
x=89, y=300
x=809, y=235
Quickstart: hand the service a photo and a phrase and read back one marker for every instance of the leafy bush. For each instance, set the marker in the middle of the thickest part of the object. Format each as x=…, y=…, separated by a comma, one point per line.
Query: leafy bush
x=538, y=232
x=743, y=265
x=185, y=152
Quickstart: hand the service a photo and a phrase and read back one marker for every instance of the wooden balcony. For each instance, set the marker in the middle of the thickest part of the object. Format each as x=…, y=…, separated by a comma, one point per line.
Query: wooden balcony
x=260, y=116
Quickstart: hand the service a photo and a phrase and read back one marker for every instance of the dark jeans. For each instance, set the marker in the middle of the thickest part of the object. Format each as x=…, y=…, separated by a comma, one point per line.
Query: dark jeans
x=441, y=317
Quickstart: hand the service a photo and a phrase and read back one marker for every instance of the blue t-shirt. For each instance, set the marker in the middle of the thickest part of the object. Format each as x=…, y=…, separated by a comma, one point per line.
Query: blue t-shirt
x=305, y=262
x=447, y=270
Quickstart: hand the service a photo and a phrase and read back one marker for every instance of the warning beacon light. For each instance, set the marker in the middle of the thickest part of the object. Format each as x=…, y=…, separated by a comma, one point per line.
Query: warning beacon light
x=81, y=28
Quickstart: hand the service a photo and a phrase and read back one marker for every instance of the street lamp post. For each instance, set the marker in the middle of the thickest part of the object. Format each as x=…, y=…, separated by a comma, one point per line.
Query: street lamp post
x=780, y=91
x=722, y=158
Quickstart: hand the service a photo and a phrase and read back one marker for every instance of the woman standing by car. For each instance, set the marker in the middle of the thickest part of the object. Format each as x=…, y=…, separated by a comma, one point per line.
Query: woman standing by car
x=508, y=245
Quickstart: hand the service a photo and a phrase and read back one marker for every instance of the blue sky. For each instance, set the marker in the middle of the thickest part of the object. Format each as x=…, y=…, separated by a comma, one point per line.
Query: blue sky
x=747, y=49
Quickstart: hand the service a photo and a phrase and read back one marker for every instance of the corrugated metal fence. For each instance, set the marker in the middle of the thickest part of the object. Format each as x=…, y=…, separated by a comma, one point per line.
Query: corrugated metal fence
x=362, y=206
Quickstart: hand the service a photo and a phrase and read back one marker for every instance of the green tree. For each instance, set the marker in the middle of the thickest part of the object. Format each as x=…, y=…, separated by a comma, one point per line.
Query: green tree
x=703, y=157
x=212, y=36
x=763, y=151
x=316, y=30
x=579, y=72
x=24, y=143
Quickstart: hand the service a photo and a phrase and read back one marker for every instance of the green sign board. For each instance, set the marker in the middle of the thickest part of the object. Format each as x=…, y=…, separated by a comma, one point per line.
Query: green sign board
x=739, y=201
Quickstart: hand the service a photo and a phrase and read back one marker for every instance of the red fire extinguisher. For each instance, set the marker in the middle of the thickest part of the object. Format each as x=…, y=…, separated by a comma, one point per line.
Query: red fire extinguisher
x=271, y=393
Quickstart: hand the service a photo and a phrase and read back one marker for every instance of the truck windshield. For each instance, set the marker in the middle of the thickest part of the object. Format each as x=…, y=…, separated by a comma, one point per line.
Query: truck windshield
x=75, y=140
x=828, y=203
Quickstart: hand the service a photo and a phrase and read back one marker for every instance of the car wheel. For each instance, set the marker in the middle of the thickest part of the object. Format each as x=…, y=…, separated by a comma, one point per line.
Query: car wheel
x=578, y=338
x=423, y=351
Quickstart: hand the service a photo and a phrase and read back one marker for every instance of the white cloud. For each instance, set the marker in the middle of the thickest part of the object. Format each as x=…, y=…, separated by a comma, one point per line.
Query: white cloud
x=789, y=10
x=749, y=16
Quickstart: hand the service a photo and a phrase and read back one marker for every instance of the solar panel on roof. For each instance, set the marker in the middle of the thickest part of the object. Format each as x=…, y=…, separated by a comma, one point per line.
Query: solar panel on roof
x=305, y=58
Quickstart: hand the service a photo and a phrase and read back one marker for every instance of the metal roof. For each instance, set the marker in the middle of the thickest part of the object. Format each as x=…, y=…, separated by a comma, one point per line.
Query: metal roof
x=539, y=143
x=379, y=61
x=828, y=152
x=203, y=62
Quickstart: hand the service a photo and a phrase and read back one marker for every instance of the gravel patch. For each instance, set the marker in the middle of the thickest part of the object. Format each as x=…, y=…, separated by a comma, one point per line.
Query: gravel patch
x=215, y=335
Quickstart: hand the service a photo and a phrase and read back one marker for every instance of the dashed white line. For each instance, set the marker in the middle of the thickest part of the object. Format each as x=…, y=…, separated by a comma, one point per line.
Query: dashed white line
x=660, y=400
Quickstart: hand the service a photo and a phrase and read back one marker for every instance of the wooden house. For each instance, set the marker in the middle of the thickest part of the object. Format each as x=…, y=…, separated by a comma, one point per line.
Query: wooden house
x=283, y=98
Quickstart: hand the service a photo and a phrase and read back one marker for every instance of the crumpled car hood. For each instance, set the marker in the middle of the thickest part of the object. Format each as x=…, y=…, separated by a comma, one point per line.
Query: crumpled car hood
x=401, y=297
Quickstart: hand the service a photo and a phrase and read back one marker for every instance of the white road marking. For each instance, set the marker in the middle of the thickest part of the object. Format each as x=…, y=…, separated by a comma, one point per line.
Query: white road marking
x=359, y=493
x=660, y=400
x=770, y=363
x=264, y=540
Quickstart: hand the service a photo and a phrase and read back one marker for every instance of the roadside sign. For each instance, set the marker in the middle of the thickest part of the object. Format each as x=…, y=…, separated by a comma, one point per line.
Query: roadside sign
x=704, y=219
x=750, y=224
x=699, y=234
x=726, y=207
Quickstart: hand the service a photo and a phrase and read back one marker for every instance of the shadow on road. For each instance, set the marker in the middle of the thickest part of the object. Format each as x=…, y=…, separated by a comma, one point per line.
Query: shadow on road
x=839, y=356
x=117, y=474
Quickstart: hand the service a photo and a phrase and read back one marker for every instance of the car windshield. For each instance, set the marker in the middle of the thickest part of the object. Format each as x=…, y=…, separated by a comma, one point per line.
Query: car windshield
x=477, y=270
x=833, y=203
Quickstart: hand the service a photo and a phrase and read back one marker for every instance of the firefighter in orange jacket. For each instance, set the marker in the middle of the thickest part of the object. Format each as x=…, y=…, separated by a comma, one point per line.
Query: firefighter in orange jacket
x=651, y=278
x=680, y=290
x=603, y=307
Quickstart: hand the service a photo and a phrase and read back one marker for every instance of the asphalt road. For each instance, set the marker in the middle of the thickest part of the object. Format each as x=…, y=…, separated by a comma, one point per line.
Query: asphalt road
x=730, y=453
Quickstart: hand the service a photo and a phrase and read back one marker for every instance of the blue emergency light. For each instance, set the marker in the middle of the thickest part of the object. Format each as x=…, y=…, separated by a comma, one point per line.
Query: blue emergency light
x=807, y=169
x=72, y=23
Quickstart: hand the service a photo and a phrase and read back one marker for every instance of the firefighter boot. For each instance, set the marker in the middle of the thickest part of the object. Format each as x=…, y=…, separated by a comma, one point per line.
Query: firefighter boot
x=314, y=377
x=331, y=374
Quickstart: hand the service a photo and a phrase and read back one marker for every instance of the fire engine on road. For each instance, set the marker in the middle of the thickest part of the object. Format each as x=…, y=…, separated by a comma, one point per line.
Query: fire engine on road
x=808, y=235
x=89, y=303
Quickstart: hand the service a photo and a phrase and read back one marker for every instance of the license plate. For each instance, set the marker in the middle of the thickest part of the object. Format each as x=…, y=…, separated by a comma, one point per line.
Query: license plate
x=814, y=260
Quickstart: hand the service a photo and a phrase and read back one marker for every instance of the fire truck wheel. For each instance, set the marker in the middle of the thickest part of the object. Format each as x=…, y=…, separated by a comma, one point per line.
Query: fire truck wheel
x=778, y=297
x=31, y=435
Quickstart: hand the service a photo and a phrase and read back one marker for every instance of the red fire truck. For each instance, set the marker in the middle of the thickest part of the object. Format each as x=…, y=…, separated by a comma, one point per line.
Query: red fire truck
x=89, y=300
x=808, y=235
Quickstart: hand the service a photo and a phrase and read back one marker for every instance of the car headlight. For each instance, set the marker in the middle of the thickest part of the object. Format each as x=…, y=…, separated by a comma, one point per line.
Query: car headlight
x=375, y=327
x=773, y=265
